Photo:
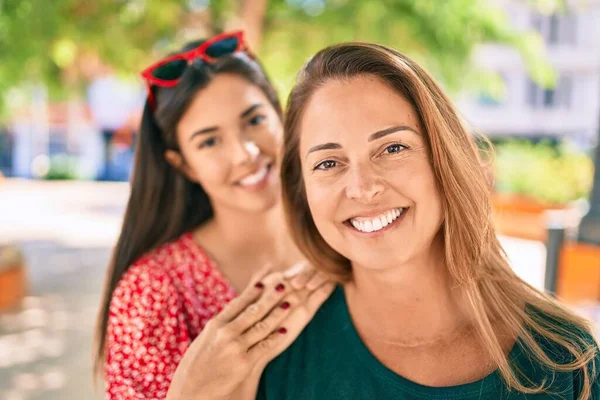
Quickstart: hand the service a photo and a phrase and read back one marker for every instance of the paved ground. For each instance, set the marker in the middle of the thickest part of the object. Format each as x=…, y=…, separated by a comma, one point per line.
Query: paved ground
x=66, y=230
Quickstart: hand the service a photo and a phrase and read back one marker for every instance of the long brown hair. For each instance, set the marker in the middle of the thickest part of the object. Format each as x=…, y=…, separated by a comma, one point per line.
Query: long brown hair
x=163, y=203
x=498, y=300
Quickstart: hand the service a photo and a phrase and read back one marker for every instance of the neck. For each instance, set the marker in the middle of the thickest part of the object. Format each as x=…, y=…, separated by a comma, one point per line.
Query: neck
x=258, y=235
x=418, y=294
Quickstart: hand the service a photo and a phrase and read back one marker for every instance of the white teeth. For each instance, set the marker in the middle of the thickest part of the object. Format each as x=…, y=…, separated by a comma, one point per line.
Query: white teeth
x=377, y=223
x=255, y=178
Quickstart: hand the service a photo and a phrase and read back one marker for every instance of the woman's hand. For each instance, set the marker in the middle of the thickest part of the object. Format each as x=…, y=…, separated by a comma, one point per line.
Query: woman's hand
x=227, y=359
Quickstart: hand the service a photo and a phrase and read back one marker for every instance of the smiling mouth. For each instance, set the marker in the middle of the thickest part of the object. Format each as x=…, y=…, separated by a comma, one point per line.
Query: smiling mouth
x=256, y=179
x=379, y=223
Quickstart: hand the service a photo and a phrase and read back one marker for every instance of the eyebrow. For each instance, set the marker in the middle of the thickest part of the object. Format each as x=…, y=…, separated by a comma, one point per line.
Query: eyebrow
x=325, y=146
x=250, y=110
x=372, y=137
x=211, y=129
x=389, y=131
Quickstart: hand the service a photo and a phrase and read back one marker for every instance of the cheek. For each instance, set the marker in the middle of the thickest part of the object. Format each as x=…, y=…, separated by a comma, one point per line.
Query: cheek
x=268, y=144
x=270, y=140
x=276, y=128
x=315, y=196
x=423, y=190
x=209, y=170
x=412, y=176
x=320, y=200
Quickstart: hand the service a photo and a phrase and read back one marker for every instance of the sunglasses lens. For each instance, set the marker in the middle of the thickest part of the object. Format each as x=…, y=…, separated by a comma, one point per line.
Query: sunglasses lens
x=171, y=70
x=223, y=47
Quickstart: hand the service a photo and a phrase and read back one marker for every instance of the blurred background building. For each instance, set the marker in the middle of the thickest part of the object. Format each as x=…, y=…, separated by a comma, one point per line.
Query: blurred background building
x=525, y=109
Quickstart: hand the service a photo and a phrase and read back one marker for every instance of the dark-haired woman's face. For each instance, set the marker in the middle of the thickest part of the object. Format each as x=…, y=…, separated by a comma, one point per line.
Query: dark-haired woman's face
x=229, y=138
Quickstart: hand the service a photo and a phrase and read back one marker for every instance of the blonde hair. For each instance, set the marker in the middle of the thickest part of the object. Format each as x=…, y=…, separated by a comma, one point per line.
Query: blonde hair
x=498, y=300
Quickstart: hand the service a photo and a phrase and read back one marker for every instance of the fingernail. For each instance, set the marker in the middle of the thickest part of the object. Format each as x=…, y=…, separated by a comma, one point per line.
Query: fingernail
x=285, y=305
x=283, y=331
x=259, y=285
x=280, y=287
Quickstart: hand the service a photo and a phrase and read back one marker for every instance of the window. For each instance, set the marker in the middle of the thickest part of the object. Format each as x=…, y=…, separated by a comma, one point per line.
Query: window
x=556, y=29
x=566, y=92
x=549, y=98
x=558, y=97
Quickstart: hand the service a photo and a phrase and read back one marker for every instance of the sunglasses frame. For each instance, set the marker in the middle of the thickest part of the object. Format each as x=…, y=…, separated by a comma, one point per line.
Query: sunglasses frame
x=190, y=56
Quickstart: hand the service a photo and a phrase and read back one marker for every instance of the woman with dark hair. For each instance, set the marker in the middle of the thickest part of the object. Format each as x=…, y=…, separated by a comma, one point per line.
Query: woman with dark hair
x=384, y=189
x=203, y=218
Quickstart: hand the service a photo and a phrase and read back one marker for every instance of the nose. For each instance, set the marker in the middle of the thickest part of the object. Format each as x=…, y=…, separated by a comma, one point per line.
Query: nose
x=364, y=185
x=245, y=151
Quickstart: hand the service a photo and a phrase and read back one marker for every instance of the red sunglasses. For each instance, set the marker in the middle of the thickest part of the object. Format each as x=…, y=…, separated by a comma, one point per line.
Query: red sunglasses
x=168, y=72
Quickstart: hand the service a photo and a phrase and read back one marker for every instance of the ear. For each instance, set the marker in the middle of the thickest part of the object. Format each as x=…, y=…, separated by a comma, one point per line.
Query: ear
x=175, y=159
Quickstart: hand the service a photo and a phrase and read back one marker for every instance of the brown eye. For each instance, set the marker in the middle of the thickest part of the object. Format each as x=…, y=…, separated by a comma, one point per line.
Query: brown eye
x=394, y=148
x=210, y=142
x=325, y=165
x=256, y=120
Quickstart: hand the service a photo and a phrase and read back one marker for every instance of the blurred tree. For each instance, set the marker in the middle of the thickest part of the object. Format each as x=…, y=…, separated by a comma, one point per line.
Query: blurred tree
x=440, y=34
x=49, y=41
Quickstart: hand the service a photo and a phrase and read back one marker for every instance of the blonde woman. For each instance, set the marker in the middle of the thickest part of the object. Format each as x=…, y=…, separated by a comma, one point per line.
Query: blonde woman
x=384, y=190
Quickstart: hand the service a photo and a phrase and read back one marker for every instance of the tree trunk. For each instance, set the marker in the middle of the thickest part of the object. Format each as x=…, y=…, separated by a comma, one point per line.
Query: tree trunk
x=251, y=18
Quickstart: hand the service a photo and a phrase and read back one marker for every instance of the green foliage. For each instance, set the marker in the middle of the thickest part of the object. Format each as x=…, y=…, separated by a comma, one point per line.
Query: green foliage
x=41, y=39
x=552, y=174
x=439, y=34
x=62, y=167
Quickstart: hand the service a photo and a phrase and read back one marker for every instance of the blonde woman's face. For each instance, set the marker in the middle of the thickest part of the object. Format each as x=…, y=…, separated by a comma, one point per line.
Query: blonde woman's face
x=369, y=183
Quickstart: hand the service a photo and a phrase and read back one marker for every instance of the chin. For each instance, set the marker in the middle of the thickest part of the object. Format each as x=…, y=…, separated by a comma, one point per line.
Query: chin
x=377, y=260
x=261, y=205
x=377, y=263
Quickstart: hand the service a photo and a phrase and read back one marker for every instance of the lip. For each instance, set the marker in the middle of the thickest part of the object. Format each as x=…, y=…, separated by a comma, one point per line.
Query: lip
x=262, y=183
x=373, y=213
x=380, y=232
x=260, y=163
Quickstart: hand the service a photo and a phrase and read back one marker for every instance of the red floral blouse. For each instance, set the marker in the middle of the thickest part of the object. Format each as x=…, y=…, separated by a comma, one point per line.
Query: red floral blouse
x=159, y=306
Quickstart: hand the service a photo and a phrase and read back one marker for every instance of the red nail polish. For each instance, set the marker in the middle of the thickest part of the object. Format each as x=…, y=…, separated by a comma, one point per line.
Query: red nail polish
x=283, y=331
x=280, y=287
x=285, y=305
x=259, y=285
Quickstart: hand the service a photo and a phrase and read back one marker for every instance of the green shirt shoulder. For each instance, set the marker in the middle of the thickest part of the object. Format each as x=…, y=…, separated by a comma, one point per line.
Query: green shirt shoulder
x=329, y=361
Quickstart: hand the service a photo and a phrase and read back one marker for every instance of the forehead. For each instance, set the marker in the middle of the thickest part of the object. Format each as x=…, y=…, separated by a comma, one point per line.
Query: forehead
x=340, y=110
x=226, y=96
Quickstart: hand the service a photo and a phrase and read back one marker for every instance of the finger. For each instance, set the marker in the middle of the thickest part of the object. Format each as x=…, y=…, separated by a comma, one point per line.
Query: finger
x=274, y=291
x=317, y=298
x=261, y=273
x=295, y=269
x=260, y=330
x=299, y=281
x=317, y=280
x=252, y=292
x=280, y=339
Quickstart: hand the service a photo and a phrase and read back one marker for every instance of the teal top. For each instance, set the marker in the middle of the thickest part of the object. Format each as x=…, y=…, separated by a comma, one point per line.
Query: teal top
x=329, y=361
